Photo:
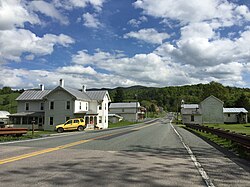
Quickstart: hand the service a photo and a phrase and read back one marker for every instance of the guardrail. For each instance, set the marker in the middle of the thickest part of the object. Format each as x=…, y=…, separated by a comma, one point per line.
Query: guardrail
x=13, y=131
x=242, y=140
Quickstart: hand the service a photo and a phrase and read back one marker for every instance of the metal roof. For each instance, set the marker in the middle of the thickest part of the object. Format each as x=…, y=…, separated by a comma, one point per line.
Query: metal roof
x=96, y=95
x=32, y=95
x=4, y=114
x=234, y=110
x=190, y=106
x=125, y=105
x=76, y=93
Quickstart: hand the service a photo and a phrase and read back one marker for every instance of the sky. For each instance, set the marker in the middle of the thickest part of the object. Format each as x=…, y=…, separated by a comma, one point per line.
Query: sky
x=111, y=43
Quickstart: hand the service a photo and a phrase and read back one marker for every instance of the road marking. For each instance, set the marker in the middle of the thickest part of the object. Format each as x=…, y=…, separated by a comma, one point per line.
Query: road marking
x=28, y=155
x=198, y=165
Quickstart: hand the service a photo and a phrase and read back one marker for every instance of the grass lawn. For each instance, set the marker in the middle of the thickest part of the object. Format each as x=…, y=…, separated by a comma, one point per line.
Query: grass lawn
x=121, y=124
x=238, y=128
x=37, y=134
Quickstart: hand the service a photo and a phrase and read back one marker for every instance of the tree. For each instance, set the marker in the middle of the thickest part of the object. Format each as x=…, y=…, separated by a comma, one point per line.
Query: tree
x=243, y=101
x=119, y=96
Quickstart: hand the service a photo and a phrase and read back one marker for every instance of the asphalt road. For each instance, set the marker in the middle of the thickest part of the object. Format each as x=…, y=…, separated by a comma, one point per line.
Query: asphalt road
x=150, y=154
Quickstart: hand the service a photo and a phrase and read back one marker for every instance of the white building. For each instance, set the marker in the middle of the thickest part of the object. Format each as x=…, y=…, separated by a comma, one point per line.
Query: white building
x=235, y=115
x=129, y=111
x=4, y=118
x=211, y=110
x=48, y=108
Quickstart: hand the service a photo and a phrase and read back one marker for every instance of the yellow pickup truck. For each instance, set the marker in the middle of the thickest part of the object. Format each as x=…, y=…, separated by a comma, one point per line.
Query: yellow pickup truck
x=71, y=124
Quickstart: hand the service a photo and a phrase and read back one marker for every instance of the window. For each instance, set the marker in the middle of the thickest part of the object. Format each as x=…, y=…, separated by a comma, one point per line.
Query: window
x=67, y=118
x=80, y=106
x=100, y=106
x=51, y=120
x=100, y=119
x=67, y=105
x=228, y=115
x=42, y=106
x=51, y=105
x=123, y=110
x=105, y=106
x=27, y=106
x=76, y=121
x=82, y=120
x=192, y=117
x=86, y=106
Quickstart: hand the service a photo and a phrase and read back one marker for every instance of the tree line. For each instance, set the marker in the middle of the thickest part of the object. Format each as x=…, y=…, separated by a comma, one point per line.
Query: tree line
x=169, y=98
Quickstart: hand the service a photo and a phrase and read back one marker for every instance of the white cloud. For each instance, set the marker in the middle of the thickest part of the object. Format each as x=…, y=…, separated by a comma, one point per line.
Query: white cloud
x=71, y=4
x=15, y=42
x=77, y=69
x=222, y=12
x=49, y=10
x=137, y=22
x=13, y=13
x=91, y=21
x=148, y=35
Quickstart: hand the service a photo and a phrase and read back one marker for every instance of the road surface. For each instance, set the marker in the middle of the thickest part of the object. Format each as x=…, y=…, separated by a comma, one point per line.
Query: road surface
x=156, y=153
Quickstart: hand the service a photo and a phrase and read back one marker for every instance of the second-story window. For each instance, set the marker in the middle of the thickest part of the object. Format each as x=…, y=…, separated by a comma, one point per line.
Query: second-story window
x=100, y=107
x=27, y=106
x=67, y=105
x=42, y=106
x=86, y=106
x=51, y=105
x=80, y=106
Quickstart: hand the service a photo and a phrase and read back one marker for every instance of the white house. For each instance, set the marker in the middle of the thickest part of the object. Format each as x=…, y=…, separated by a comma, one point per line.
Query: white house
x=191, y=114
x=48, y=108
x=129, y=111
x=235, y=115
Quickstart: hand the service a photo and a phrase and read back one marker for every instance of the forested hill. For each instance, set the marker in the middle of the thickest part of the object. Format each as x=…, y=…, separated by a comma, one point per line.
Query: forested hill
x=168, y=98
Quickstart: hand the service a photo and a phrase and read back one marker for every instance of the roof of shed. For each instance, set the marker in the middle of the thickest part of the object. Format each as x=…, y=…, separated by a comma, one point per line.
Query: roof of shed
x=125, y=105
x=190, y=106
x=32, y=95
x=4, y=114
x=234, y=110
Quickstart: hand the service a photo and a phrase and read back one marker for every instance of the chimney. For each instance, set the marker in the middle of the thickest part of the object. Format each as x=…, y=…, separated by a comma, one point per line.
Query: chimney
x=41, y=87
x=84, y=88
x=61, y=82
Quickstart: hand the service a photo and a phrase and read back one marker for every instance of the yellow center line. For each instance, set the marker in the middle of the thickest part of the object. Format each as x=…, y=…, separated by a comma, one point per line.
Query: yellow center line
x=28, y=155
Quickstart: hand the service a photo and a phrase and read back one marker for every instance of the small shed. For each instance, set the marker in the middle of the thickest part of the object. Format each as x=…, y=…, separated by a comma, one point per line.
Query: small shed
x=4, y=118
x=114, y=118
x=235, y=115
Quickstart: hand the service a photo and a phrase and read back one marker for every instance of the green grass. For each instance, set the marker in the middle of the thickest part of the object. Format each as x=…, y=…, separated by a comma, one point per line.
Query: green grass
x=224, y=143
x=37, y=134
x=238, y=128
x=121, y=124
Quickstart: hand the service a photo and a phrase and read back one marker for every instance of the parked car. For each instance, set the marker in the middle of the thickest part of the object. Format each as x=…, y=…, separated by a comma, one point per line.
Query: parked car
x=71, y=124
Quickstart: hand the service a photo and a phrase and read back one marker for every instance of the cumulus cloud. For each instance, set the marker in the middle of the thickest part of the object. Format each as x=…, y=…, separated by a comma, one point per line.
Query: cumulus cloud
x=14, y=14
x=71, y=4
x=49, y=10
x=91, y=21
x=148, y=35
x=137, y=22
x=16, y=42
x=77, y=69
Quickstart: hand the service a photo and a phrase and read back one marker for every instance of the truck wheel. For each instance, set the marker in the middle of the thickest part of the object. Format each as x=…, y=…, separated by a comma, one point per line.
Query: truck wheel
x=80, y=128
x=60, y=130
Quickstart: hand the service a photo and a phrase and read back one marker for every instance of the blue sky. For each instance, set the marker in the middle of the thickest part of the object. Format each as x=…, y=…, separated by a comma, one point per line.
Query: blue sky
x=110, y=43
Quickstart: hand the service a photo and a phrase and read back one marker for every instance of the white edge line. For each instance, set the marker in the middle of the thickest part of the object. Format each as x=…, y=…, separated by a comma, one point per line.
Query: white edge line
x=201, y=170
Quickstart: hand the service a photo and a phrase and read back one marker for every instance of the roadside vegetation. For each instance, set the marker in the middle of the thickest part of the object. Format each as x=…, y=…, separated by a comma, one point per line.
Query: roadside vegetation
x=121, y=124
x=37, y=134
x=227, y=144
